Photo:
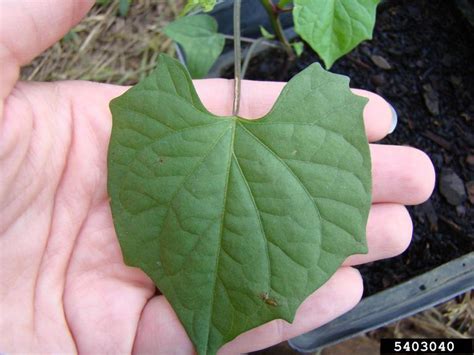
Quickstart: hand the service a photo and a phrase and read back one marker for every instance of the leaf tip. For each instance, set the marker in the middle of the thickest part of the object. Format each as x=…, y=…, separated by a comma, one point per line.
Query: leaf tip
x=163, y=57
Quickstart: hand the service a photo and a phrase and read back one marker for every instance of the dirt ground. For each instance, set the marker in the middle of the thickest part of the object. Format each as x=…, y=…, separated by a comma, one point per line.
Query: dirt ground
x=430, y=86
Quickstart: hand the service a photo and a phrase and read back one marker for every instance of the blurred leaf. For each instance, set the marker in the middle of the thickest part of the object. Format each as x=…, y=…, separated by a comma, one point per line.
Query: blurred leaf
x=298, y=47
x=70, y=36
x=205, y=5
x=333, y=28
x=265, y=33
x=202, y=44
x=208, y=5
x=124, y=6
x=238, y=221
x=102, y=2
x=283, y=3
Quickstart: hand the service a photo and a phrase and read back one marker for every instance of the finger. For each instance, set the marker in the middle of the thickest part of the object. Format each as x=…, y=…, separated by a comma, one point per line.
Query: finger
x=29, y=27
x=401, y=175
x=258, y=98
x=389, y=232
x=337, y=296
x=378, y=114
x=160, y=331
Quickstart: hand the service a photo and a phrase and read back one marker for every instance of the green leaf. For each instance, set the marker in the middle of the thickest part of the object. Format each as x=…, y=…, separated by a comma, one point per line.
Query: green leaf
x=334, y=27
x=238, y=221
x=124, y=6
x=283, y=3
x=205, y=5
x=200, y=40
x=70, y=36
x=298, y=47
x=265, y=33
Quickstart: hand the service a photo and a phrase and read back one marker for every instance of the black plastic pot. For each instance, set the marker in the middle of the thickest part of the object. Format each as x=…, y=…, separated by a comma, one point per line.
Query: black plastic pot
x=252, y=16
x=405, y=299
x=413, y=296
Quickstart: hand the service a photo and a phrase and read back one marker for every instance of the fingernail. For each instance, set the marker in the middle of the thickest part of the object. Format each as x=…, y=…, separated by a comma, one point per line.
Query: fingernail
x=393, y=125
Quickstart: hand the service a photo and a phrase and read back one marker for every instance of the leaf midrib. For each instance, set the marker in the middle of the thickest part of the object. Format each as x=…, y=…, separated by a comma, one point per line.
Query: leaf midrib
x=219, y=247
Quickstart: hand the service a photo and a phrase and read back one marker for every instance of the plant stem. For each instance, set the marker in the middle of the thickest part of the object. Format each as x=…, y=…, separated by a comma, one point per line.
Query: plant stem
x=284, y=9
x=237, y=58
x=249, y=54
x=273, y=14
x=266, y=42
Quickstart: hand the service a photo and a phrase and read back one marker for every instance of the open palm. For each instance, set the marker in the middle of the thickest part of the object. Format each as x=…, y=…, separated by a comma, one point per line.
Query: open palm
x=64, y=286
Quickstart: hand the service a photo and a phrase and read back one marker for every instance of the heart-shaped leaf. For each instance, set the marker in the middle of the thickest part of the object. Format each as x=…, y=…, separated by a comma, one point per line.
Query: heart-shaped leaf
x=238, y=221
x=334, y=27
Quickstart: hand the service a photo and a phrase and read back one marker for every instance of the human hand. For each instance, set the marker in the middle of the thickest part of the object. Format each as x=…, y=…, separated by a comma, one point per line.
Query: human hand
x=64, y=286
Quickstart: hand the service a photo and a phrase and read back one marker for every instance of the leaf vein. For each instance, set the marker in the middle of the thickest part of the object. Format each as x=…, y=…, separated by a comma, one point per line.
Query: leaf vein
x=219, y=246
x=259, y=217
x=195, y=167
x=288, y=169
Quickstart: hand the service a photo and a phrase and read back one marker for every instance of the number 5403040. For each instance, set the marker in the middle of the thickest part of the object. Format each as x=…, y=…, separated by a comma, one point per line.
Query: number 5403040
x=423, y=346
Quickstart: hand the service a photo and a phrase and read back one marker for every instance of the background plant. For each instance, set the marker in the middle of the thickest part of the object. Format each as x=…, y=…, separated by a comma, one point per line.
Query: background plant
x=124, y=5
x=331, y=28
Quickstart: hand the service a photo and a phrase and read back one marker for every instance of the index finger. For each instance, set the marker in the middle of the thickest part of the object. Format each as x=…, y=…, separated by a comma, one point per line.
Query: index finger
x=258, y=97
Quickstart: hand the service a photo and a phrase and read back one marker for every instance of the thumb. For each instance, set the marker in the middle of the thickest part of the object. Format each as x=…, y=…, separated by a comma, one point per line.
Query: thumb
x=27, y=28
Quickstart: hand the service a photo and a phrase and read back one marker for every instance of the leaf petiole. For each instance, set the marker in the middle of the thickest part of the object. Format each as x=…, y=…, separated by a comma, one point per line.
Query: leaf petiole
x=237, y=58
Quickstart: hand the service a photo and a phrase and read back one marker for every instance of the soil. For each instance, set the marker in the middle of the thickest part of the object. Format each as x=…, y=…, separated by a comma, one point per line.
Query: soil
x=421, y=60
